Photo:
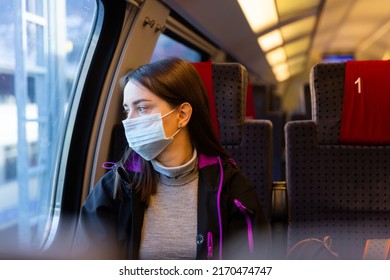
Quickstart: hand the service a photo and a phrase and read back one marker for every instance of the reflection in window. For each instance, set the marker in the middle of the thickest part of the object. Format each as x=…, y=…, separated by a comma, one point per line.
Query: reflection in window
x=41, y=49
x=168, y=47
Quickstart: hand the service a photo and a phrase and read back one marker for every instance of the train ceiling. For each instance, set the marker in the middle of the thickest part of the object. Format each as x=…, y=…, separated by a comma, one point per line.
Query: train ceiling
x=298, y=33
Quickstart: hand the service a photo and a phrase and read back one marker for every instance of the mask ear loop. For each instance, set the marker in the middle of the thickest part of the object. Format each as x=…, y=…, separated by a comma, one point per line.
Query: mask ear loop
x=170, y=112
x=179, y=127
x=177, y=131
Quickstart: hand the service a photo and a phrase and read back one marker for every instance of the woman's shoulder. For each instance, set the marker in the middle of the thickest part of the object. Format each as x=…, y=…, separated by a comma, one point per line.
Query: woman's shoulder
x=236, y=181
x=232, y=176
x=108, y=184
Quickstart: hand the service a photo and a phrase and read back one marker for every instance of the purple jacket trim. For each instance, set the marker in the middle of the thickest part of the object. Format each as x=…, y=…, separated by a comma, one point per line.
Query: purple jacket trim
x=243, y=209
x=134, y=163
x=210, y=244
x=109, y=165
x=204, y=161
x=219, y=206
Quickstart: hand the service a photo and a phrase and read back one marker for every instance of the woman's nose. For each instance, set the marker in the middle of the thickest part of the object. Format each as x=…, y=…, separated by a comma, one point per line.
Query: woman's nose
x=131, y=114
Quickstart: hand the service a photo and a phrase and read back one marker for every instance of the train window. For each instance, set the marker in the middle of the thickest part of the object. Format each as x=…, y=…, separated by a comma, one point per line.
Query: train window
x=42, y=48
x=168, y=47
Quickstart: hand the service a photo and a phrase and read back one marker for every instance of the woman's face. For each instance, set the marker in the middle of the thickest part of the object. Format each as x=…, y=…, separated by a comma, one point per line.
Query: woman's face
x=139, y=101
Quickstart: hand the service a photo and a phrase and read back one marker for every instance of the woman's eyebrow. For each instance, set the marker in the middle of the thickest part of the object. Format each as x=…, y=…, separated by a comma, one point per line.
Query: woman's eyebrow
x=136, y=102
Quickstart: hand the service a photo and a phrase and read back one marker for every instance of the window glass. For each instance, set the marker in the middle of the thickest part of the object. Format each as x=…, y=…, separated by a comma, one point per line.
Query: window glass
x=168, y=47
x=41, y=49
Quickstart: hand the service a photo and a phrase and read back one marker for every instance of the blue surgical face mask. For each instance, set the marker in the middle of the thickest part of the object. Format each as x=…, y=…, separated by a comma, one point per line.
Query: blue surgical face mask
x=146, y=135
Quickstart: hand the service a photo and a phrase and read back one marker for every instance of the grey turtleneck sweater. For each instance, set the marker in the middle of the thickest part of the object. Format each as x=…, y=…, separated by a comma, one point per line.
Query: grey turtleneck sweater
x=170, y=222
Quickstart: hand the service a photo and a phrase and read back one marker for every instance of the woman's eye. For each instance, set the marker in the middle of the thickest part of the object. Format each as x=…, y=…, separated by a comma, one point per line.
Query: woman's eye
x=141, y=109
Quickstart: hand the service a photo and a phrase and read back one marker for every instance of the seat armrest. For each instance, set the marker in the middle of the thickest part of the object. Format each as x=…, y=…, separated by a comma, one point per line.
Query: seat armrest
x=279, y=202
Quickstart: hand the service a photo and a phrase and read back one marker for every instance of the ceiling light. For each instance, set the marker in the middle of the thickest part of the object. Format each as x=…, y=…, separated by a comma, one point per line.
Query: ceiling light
x=276, y=56
x=281, y=72
x=260, y=14
x=270, y=40
x=289, y=8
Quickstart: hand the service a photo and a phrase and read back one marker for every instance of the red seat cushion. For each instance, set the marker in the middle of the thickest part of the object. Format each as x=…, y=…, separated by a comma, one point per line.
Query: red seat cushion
x=365, y=117
x=206, y=73
x=250, y=105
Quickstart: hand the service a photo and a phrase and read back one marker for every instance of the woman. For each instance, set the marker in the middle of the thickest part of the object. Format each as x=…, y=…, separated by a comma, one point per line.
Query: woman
x=176, y=193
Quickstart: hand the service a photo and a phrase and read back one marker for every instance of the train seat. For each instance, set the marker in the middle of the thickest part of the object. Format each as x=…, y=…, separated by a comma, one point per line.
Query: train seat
x=248, y=141
x=267, y=109
x=338, y=184
x=306, y=115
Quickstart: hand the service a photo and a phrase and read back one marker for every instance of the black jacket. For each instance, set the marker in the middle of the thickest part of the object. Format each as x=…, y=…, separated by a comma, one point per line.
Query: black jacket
x=111, y=228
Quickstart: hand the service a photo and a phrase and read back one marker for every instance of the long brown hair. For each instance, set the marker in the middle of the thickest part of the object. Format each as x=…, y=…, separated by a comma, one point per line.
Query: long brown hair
x=176, y=81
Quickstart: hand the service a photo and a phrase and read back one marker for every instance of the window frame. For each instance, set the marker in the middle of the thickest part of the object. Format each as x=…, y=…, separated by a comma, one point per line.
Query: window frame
x=71, y=166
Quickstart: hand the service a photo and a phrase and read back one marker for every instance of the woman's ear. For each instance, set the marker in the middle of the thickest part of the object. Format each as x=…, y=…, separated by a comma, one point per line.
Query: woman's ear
x=185, y=114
